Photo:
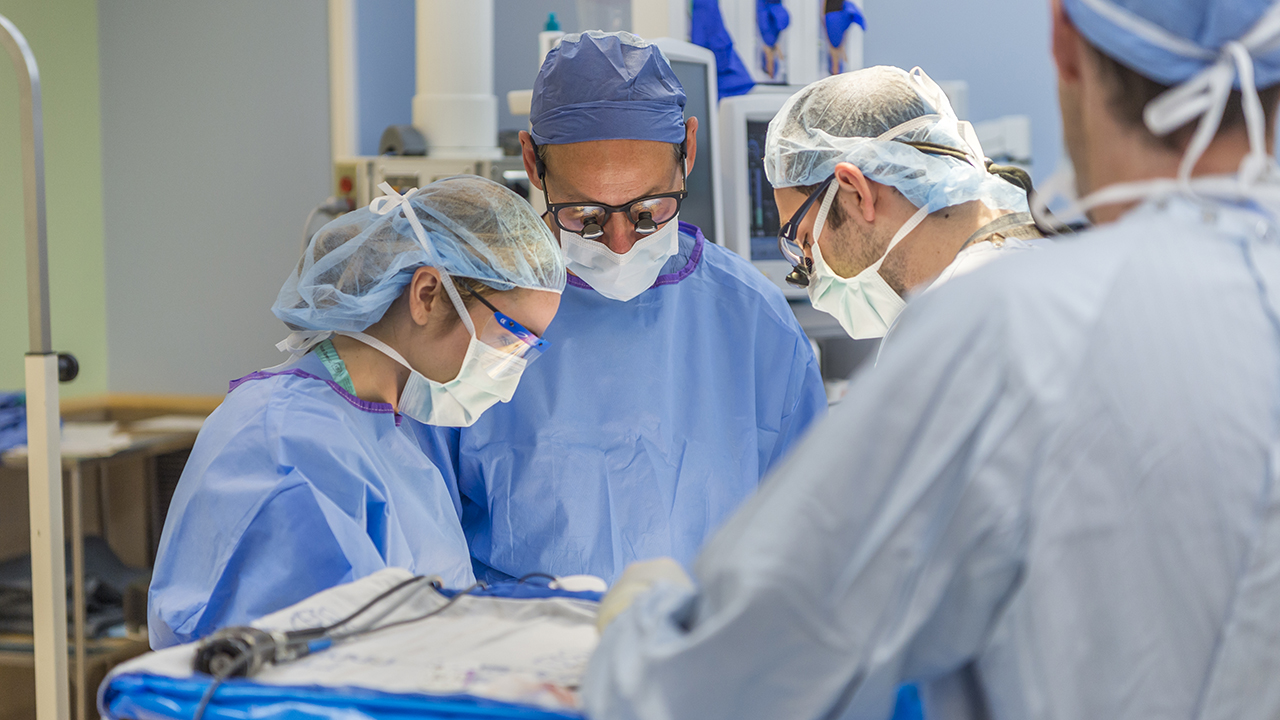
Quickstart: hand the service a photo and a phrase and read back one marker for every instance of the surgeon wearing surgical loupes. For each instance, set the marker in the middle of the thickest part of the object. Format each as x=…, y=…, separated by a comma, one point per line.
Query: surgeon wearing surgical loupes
x=422, y=309
x=1058, y=494
x=677, y=375
x=888, y=195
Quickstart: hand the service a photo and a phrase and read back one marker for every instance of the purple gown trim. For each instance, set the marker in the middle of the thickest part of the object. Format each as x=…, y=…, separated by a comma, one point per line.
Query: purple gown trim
x=365, y=405
x=669, y=278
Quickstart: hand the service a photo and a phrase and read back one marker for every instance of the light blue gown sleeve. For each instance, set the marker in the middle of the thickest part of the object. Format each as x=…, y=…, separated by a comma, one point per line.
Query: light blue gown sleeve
x=879, y=552
x=253, y=532
x=806, y=399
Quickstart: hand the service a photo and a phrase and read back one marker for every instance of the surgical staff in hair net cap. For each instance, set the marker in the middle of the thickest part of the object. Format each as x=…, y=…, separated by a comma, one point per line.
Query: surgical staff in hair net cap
x=876, y=162
x=1056, y=494
x=422, y=309
x=612, y=451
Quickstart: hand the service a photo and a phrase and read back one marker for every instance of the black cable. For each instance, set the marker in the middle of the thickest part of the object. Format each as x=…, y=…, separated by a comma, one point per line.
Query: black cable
x=387, y=593
x=530, y=576
x=213, y=686
x=449, y=603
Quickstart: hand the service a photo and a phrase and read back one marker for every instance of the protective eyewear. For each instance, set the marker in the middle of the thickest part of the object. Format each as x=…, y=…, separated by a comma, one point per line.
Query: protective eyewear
x=803, y=266
x=508, y=335
x=645, y=213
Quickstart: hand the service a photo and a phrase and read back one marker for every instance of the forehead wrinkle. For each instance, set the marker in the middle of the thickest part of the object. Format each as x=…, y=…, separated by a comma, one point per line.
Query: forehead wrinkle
x=570, y=192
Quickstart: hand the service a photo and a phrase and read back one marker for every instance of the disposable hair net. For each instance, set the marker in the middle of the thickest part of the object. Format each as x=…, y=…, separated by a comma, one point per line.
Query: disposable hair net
x=867, y=118
x=357, y=265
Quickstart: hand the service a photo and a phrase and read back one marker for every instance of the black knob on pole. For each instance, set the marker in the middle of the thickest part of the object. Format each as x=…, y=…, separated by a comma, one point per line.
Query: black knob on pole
x=68, y=367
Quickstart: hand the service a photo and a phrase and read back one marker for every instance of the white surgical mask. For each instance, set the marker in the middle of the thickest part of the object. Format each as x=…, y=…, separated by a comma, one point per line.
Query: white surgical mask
x=864, y=304
x=488, y=376
x=621, y=277
x=461, y=401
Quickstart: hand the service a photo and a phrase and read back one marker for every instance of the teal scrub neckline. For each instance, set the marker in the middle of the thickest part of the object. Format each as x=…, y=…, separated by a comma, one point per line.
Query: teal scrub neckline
x=328, y=355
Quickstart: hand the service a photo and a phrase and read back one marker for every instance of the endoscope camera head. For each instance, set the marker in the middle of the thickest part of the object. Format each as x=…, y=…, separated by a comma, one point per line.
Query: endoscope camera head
x=235, y=652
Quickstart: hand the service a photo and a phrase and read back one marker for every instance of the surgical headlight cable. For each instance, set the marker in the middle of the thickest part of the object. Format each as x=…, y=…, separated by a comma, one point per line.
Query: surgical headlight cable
x=243, y=651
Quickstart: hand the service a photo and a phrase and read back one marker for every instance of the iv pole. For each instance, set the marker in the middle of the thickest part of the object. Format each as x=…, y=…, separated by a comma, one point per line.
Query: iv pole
x=44, y=459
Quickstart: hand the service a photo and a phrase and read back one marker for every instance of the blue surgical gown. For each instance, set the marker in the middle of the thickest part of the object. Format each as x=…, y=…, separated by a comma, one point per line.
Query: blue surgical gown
x=294, y=486
x=644, y=425
x=1054, y=497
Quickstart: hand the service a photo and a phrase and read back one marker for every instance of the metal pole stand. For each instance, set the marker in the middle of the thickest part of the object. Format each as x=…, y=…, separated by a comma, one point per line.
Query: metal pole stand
x=44, y=450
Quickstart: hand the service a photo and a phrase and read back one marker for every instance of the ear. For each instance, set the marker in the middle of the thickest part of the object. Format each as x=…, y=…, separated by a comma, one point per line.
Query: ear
x=1068, y=48
x=864, y=192
x=424, y=291
x=691, y=141
x=530, y=157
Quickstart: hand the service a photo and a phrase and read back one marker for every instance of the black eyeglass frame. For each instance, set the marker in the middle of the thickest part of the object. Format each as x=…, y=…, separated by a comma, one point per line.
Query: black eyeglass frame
x=645, y=224
x=803, y=265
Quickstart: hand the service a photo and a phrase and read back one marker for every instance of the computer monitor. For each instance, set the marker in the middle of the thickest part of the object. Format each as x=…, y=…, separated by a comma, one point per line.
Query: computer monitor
x=751, y=218
x=695, y=67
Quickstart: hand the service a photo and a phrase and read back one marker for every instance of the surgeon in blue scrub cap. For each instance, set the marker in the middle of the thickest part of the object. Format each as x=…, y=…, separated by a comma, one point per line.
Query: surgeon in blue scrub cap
x=677, y=374
x=422, y=309
x=1058, y=493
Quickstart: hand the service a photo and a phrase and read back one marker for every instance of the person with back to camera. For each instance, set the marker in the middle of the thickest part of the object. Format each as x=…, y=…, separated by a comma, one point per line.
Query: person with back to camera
x=1057, y=495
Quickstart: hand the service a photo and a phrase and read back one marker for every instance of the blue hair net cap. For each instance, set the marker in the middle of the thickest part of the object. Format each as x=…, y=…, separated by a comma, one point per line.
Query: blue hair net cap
x=357, y=265
x=606, y=86
x=839, y=119
x=1171, y=41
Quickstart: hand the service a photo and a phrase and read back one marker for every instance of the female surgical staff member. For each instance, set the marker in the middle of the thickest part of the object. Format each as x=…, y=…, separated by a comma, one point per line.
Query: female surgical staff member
x=420, y=309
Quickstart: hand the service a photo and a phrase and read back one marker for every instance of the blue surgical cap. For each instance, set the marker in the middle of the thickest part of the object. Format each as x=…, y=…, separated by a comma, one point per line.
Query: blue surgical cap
x=358, y=264
x=1171, y=41
x=606, y=86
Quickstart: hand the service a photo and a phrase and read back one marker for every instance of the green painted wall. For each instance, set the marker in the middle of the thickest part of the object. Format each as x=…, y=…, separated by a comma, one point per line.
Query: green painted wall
x=64, y=37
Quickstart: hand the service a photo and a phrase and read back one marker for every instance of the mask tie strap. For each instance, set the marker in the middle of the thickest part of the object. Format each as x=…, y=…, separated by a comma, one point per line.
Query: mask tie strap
x=380, y=346
x=299, y=343
x=383, y=205
x=460, y=306
x=911, y=224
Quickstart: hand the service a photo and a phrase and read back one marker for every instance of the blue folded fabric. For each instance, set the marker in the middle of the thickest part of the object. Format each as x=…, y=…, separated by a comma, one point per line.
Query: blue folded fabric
x=141, y=696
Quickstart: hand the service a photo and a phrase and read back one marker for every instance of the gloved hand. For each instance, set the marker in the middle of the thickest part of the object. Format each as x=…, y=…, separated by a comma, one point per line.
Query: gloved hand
x=636, y=580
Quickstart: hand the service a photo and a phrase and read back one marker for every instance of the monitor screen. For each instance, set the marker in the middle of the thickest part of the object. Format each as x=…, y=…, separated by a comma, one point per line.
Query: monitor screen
x=764, y=222
x=699, y=207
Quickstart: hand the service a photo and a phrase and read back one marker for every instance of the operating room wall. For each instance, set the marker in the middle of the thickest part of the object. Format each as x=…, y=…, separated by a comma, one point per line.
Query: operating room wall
x=1001, y=47
x=64, y=38
x=385, y=59
x=215, y=135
